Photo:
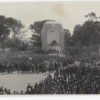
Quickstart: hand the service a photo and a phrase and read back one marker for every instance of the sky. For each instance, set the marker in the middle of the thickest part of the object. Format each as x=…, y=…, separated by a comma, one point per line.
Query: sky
x=69, y=13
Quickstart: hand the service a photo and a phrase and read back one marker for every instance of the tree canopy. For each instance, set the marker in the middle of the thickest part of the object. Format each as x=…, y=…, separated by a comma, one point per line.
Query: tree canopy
x=36, y=28
x=14, y=25
x=89, y=32
x=6, y=26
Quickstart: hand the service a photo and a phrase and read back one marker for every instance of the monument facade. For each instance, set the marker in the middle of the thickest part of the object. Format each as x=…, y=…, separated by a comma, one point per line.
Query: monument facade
x=52, y=36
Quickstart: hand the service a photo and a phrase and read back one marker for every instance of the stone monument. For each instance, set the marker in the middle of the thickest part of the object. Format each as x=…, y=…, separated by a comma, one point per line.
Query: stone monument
x=52, y=36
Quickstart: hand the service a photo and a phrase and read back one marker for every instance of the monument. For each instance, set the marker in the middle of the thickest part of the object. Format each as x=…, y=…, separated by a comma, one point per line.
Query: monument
x=52, y=36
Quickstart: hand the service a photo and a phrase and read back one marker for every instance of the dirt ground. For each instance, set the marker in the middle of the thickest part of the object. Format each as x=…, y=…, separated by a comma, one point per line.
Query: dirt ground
x=19, y=81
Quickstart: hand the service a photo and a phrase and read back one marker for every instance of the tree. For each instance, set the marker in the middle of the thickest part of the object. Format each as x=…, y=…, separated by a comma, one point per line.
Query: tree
x=36, y=28
x=77, y=34
x=13, y=43
x=14, y=25
x=67, y=38
x=4, y=31
x=6, y=26
x=92, y=16
x=89, y=32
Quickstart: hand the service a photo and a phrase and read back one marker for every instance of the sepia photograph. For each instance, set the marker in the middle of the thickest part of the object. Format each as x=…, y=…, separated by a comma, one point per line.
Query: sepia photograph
x=49, y=48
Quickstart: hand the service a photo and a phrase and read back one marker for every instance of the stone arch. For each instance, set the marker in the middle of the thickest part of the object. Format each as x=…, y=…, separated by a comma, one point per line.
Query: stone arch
x=54, y=43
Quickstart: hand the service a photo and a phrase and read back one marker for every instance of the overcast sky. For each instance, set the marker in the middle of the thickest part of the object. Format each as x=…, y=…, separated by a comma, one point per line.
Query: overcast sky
x=67, y=13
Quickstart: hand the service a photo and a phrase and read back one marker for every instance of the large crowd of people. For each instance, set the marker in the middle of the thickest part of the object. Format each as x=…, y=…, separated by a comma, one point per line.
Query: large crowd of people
x=72, y=75
x=71, y=80
x=26, y=64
